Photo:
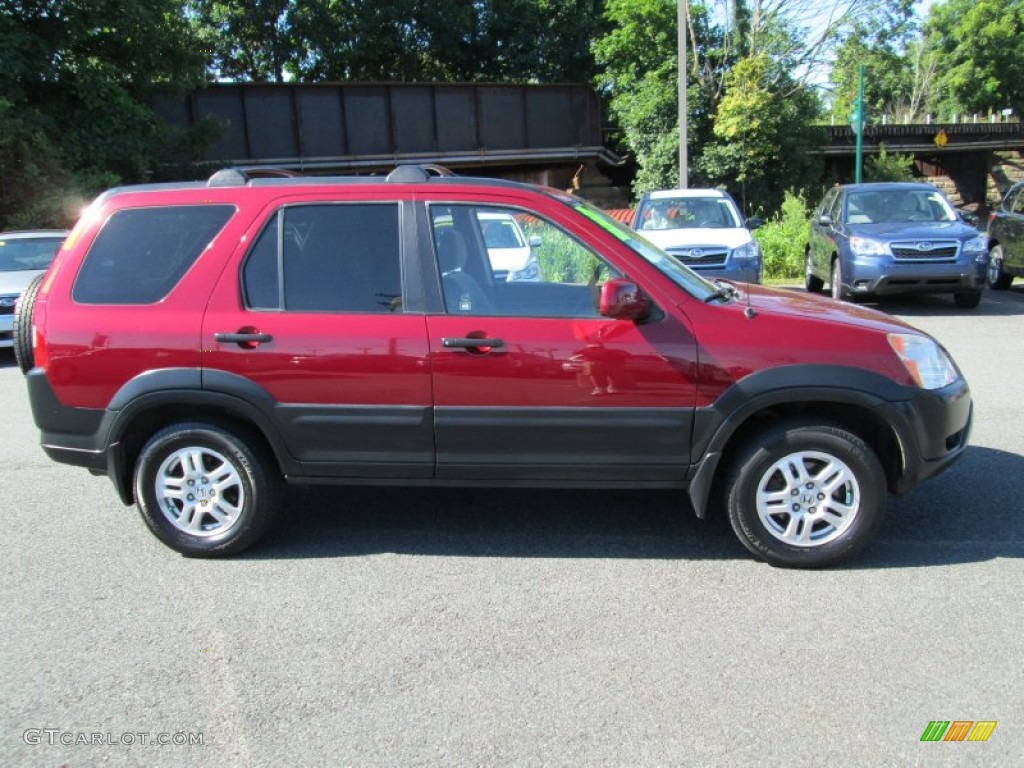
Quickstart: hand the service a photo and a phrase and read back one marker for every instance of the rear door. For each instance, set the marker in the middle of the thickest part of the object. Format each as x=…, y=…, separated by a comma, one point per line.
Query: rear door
x=531, y=383
x=313, y=323
x=1013, y=248
x=820, y=236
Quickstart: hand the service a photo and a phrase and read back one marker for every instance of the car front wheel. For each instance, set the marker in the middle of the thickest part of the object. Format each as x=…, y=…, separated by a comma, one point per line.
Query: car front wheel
x=204, y=490
x=836, y=281
x=997, y=279
x=805, y=494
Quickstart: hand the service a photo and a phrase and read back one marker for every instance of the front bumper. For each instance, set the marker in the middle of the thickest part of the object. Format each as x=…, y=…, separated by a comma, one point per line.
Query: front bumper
x=933, y=428
x=887, y=278
x=6, y=331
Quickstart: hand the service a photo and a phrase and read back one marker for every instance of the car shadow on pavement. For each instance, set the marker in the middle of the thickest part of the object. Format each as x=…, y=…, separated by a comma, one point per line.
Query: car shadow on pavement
x=993, y=304
x=495, y=522
x=972, y=513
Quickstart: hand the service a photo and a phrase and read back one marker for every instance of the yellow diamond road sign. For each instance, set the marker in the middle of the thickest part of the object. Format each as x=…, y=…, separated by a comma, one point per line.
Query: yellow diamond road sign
x=941, y=139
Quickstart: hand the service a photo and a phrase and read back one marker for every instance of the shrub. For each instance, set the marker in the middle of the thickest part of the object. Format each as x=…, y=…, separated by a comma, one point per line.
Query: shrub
x=783, y=239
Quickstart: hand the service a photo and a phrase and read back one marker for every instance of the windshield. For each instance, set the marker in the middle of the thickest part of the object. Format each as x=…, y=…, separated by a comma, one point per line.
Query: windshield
x=681, y=275
x=897, y=206
x=19, y=254
x=688, y=213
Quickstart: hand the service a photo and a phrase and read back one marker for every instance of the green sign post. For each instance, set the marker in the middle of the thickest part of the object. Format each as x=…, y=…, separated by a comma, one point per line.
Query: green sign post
x=857, y=123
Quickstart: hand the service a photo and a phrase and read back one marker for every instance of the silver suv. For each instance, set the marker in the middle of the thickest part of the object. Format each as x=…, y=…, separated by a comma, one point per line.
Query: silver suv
x=704, y=230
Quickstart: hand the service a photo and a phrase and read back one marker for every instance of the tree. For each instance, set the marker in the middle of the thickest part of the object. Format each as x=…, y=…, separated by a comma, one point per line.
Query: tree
x=383, y=40
x=79, y=81
x=981, y=46
x=639, y=71
x=763, y=131
x=250, y=40
x=881, y=43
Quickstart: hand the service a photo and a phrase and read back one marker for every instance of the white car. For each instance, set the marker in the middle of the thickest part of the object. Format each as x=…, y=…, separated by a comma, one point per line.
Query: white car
x=510, y=251
x=23, y=255
x=704, y=230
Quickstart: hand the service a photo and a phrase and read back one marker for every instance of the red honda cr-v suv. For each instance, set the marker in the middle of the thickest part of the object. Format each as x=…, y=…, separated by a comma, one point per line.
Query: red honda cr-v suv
x=203, y=343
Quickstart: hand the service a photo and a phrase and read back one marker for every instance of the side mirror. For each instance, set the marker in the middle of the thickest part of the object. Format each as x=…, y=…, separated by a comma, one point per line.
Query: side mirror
x=622, y=300
x=969, y=218
x=535, y=241
x=825, y=220
x=754, y=222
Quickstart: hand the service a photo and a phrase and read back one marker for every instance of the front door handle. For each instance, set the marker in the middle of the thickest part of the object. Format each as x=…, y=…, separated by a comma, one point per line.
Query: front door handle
x=481, y=344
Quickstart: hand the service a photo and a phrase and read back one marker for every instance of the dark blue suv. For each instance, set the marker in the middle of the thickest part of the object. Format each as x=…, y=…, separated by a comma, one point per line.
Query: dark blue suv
x=889, y=238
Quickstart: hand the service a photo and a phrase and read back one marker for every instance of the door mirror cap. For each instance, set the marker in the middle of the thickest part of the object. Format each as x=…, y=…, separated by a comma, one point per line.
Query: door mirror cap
x=969, y=218
x=825, y=220
x=754, y=222
x=535, y=241
x=622, y=300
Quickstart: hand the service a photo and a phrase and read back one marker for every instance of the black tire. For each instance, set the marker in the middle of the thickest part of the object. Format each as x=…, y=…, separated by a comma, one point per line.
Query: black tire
x=812, y=283
x=967, y=299
x=22, y=331
x=804, y=525
x=997, y=279
x=835, y=283
x=220, y=474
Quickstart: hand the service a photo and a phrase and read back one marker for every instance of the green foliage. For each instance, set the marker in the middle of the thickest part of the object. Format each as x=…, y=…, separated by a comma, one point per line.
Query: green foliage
x=783, y=239
x=561, y=259
x=886, y=167
x=639, y=77
x=317, y=40
x=981, y=46
x=880, y=42
x=77, y=114
x=763, y=129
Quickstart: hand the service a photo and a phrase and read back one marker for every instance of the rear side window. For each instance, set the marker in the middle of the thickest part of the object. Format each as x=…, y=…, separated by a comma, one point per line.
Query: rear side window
x=141, y=253
x=327, y=258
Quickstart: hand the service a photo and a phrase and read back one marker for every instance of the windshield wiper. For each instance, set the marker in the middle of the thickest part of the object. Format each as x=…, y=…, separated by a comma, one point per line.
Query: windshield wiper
x=723, y=293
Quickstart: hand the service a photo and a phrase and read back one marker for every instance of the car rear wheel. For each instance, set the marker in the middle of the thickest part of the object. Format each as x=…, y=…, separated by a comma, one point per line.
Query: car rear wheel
x=812, y=283
x=805, y=494
x=967, y=299
x=204, y=490
x=997, y=279
x=22, y=330
x=836, y=281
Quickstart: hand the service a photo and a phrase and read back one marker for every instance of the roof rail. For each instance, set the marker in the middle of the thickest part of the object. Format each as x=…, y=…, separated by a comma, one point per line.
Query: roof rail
x=239, y=177
x=409, y=173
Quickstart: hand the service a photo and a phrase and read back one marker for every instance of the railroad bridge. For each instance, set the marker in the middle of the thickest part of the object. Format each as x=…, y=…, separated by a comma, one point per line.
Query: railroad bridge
x=546, y=134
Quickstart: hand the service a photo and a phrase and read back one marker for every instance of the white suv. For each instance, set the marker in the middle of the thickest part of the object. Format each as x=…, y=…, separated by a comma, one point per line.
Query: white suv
x=509, y=250
x=704, y=230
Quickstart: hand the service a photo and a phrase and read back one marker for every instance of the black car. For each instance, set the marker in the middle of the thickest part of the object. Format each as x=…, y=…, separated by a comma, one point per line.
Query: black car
x=1006, y=240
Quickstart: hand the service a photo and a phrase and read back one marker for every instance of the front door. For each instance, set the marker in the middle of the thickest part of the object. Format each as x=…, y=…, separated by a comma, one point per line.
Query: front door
x=531, y=383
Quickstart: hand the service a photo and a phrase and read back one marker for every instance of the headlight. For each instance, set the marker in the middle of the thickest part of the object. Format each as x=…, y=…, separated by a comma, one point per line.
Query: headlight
x=749, y=250
x=529, y=272
x=862, y=246
x=924, y=360
x=976, y=244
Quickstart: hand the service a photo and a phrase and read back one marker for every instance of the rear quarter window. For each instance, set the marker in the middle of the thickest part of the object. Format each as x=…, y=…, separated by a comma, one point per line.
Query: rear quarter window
x=141, y=253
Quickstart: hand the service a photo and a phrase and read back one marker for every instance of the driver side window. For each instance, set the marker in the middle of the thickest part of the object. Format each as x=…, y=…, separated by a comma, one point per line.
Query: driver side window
x=507, y=262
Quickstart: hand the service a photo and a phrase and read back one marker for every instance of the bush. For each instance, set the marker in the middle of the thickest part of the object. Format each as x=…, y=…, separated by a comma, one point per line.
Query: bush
x=783, y=239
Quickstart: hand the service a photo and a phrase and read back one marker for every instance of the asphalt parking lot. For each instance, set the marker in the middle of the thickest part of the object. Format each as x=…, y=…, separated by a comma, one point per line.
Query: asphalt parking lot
x=496, y=627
